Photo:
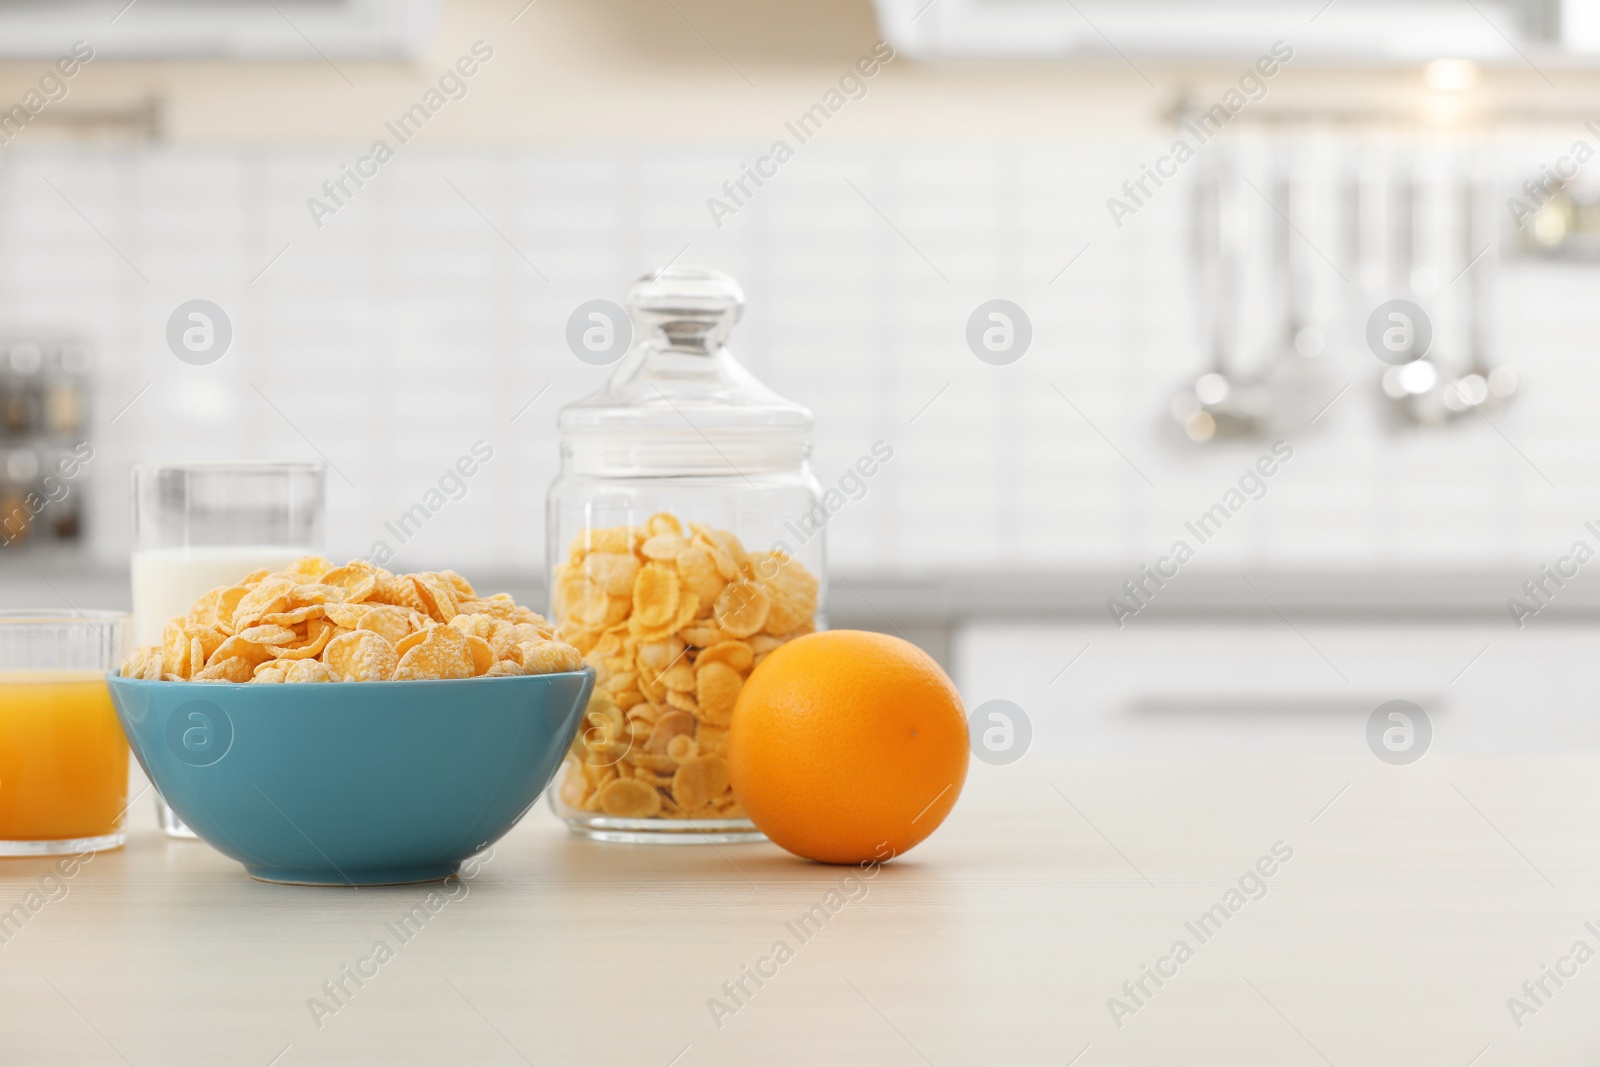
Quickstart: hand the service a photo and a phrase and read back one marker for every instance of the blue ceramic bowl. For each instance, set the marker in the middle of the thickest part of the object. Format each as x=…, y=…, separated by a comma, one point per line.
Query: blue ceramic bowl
x=352, y=783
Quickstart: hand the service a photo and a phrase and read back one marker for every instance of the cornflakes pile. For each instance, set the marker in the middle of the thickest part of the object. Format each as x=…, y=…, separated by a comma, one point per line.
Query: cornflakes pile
x=673, y=623
x=314, y=622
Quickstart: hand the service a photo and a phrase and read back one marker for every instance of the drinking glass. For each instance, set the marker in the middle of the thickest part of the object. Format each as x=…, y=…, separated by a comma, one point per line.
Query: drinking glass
x=200, y=525
x=63, y=757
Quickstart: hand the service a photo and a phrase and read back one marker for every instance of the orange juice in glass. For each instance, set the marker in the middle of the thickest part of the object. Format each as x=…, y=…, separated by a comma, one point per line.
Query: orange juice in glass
x=63, y=757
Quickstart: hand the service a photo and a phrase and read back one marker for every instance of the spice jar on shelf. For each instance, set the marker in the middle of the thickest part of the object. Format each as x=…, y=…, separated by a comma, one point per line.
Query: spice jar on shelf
x=685, y=543
x=20, y=403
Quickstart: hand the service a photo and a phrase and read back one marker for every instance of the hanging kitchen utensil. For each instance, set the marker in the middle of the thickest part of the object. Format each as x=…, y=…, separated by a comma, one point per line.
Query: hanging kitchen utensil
x=1218, y=403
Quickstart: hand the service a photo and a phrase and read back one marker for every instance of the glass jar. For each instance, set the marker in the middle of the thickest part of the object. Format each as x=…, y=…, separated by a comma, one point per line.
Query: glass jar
x=685, y=542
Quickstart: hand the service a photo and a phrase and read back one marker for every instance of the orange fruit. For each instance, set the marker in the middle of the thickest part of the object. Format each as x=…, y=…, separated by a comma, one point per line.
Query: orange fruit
x=848, y=746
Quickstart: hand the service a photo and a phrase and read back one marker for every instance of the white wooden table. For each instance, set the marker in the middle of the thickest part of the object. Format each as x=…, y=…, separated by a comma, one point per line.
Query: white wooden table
x=1417, y=901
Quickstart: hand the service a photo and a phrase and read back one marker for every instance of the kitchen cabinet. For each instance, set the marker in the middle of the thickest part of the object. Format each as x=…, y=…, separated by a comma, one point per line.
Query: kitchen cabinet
x=1272, y=686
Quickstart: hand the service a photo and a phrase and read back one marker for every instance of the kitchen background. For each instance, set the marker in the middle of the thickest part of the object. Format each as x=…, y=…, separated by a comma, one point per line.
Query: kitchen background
x=429, y=312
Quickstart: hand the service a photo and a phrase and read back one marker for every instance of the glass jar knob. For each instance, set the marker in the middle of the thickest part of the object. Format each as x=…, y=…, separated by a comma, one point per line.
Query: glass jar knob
x=687, y=309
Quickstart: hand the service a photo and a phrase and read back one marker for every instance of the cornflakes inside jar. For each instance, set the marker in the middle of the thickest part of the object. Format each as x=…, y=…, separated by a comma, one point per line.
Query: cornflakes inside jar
x=685, y=542
x=673, y=618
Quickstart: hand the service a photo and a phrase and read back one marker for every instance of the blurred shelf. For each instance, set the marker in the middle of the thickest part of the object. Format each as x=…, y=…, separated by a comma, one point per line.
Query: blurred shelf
x=1356, y=596
x=856, y=599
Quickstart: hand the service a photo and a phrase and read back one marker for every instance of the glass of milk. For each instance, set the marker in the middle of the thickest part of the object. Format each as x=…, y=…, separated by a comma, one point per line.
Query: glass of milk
x=200, y=525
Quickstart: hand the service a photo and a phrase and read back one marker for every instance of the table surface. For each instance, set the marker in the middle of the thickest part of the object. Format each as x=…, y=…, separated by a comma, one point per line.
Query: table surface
x=1416, y=902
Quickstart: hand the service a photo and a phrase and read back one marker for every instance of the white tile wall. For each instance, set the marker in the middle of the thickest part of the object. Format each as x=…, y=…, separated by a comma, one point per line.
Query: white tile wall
x=408, y=326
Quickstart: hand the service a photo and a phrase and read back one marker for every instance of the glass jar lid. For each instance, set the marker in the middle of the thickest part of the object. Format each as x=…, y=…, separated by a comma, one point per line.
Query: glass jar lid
x=679, y=402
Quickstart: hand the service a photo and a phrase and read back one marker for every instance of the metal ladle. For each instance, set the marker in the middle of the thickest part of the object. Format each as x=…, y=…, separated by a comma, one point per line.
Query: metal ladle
x=1483, y=385
x=1289, y=385
x=1210, y=407
x=1291, y=381
x=1424, y=392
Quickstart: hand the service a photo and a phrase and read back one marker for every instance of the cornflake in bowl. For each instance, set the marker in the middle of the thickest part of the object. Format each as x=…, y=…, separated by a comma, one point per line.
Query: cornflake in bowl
x=314, y=622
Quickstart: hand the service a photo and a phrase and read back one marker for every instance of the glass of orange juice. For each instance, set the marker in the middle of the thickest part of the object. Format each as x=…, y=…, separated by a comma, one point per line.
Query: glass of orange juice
x=63, y=757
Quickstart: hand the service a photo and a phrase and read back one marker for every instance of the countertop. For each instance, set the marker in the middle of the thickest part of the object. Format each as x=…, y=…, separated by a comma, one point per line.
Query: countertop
x=1403, y=907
